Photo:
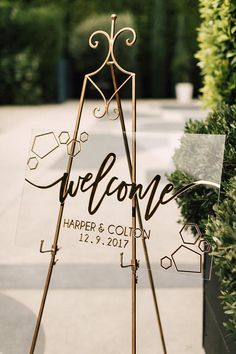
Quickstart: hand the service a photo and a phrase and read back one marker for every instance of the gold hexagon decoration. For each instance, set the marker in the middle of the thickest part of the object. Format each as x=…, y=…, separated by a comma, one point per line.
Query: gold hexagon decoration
x=83, y=137
x=204, y=246
x=64, y=137
x=32, y=163
x=166, y=262
x=190, y=233
x=73, y=147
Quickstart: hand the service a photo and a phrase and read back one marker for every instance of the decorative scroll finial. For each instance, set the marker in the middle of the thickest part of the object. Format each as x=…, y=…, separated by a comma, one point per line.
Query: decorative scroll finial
x=110, y=60
x=114, y=17
x=113, y=23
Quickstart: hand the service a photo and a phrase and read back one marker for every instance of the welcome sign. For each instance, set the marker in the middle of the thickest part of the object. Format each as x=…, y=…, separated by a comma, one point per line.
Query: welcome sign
x=106, y=187
x=102, y=192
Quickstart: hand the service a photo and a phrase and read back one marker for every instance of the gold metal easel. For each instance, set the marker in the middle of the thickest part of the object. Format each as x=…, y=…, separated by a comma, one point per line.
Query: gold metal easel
x=131, y=159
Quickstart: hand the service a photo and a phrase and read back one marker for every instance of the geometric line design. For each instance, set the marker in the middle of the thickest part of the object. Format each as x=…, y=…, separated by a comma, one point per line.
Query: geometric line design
x=64, y=137
x=185, y=233
x=204, y=246
x=73, y=144
x=83, y=137
x=166, y=262
x=44, y=144
x=32, y=163
x=180, y=268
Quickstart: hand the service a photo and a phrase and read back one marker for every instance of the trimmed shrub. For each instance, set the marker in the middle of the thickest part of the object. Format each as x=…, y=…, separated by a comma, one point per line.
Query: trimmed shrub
x=156, y=24
x=217, y=55
x=20, y=78
x=217, y=51
x=30, y=50
x=195, y=207
x=222, y=229
x=221, y=121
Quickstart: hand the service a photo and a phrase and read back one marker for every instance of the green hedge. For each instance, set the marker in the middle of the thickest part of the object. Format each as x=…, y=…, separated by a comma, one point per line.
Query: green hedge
x=157, y=26
x=155, y=22
x=222, y=121
x=196, y=206
x=217, y=55
x=222, y=229
x=217, y=52
x=30, y=50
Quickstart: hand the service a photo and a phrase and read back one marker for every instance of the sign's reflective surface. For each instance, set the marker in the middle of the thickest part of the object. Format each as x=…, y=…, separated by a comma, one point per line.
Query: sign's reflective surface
x=93, y=238
x=97, y=218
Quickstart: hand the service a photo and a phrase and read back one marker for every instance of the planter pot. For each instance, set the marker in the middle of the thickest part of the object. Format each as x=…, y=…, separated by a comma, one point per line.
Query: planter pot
x=184, y=92
x=215, y=338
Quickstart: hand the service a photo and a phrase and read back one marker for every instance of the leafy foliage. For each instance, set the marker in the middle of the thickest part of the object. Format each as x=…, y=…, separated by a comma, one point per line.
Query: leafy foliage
x=217, y=60
x=157, y=26
x=27, y=75
x=222, y=229
x=217, y=52
x=196, y=206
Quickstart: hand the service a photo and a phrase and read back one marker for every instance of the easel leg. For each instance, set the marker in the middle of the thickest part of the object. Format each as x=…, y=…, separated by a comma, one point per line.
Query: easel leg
x=47, y=282
x=54, y=249
x=134, y=261
x=150, y=275
x=134, y=215
x=43, y=301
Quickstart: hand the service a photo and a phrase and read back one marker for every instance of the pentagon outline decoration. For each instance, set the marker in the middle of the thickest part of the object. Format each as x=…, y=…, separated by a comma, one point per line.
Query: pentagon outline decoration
x=190, y=250
x=40, y=136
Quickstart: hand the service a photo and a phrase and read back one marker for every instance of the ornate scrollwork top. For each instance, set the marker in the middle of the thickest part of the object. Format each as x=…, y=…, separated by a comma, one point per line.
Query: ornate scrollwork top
x=111, y=42
x=110, y=60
